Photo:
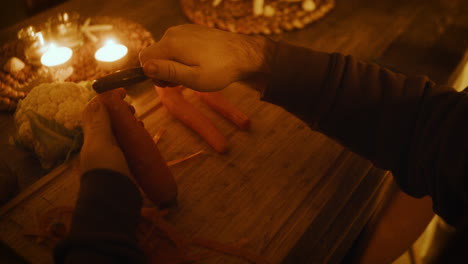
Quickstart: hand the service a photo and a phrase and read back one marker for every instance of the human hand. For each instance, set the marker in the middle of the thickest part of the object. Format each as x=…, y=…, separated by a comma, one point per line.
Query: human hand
x=100, y=149
x=205, y=59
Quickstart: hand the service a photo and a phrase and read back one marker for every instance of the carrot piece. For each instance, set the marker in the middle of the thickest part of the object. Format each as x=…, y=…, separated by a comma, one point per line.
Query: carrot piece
x=177, y=161
x=217, y=102
x=143, y=157
x=167, y=228
x=181, y=109
x=158, y=135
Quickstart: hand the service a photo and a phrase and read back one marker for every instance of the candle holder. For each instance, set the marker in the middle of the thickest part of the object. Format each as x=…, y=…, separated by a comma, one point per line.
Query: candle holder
x=111, y=55
x=34, y=43
x=57, y=62
x=65, y=29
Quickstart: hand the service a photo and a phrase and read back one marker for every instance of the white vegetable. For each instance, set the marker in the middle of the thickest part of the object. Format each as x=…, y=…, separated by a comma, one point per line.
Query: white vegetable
x=48, y=120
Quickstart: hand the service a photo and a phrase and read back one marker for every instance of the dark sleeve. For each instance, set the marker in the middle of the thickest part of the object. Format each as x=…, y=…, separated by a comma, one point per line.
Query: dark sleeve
x=408, y=125
x=104, y=222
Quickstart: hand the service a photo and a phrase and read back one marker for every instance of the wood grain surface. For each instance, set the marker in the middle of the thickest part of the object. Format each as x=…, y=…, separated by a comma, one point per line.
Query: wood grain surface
x=296, y=195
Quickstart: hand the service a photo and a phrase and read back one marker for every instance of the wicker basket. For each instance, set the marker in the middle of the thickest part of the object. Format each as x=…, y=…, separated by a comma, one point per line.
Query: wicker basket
x=238, y=15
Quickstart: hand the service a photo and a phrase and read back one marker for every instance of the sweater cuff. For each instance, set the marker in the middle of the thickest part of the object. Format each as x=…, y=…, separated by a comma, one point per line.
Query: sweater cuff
x=106, y=216
x=108, y=202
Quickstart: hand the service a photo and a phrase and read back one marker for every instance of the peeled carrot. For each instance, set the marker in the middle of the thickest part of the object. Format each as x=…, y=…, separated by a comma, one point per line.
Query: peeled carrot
x=217, y=102
x=143, y=157
x=181, y=109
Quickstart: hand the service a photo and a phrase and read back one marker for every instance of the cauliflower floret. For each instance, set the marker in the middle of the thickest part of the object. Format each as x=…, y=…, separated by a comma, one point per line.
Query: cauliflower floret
x=61, y=103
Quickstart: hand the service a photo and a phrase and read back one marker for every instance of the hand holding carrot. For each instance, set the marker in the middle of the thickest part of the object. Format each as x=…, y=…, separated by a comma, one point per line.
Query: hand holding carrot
x=100, y=149
x=115, y=140
x=206, y=60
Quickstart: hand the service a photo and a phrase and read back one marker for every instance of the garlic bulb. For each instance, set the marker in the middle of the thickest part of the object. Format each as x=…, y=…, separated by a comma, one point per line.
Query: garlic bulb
x=14, y=65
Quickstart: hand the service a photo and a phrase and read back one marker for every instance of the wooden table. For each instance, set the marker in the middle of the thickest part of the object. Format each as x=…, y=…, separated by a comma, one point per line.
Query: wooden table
x=295, y=194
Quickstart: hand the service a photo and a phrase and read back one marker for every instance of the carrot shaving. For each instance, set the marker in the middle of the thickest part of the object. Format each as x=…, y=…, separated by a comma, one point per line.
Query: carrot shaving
x=153, y=212
x=52, y=225
x=177, y=161
x=35, y=233
x=147, y=237
x=162, y=251
x=161, y=242
x=230, y=250
x=158, y=135
x=182, y=243
x=171, y=232
x=168, y=230
x=200, y=257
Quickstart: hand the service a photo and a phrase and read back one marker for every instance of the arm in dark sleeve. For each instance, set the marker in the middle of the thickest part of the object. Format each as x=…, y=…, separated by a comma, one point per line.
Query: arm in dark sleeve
x=104, y=222
x=408, y=125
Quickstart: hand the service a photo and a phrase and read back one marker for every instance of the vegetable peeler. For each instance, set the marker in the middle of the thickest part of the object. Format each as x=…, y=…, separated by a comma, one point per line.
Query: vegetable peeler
x=119, y=79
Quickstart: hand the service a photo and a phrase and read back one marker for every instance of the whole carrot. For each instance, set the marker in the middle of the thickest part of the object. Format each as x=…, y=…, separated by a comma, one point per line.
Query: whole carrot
x=143, y=157
x=181, y=109
x=217, y=102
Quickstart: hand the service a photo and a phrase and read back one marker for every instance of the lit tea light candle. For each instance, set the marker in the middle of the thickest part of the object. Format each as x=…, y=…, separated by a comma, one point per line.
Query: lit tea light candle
x=111, y=52
x=55, y=55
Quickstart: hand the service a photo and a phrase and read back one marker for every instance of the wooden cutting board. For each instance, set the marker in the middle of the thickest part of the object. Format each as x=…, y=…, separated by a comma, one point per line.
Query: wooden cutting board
x=278, y=182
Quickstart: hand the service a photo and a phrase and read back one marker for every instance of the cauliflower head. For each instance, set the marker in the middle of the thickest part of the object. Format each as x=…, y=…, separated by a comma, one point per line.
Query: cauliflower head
x=48, y=120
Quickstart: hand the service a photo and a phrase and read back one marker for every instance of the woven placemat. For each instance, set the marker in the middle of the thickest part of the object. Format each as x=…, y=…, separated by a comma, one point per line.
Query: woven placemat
x=14, y=86
x=129, y=33
x=238, y=16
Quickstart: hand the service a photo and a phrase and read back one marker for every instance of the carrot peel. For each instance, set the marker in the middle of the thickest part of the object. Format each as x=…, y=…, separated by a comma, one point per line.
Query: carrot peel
x=158, y=135
x=233, y=250
x=159, y=239
x=177, y=161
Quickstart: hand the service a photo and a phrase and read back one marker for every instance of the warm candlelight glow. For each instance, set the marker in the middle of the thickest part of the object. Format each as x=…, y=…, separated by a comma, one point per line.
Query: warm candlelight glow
x=111, y=51
x=56, y=55
x=65, y=29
